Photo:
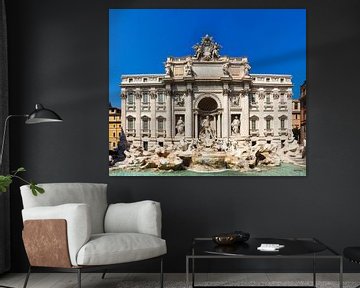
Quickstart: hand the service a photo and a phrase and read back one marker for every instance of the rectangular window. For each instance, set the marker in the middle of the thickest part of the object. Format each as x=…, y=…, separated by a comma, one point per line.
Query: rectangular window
x=253, y=98
x=145, y=124
x=267, y=98
x=161, y=99
x=131, y=123
x=282, y=99
x=160, y=125
x=130, y=98
x=253, y=124
x=268, y=126
x=145, y=98
x=296, y=106
x=282, y=123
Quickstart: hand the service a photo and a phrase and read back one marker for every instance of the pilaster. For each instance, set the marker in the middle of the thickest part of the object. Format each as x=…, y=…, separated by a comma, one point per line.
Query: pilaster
x=218, y=125
x=138, y=114
x=188, y=113
x=123, y=111
x=225, y=123
x=245, y=114
x=289, y=112
x=153, y=115
x=196, y=125
x=168, y=114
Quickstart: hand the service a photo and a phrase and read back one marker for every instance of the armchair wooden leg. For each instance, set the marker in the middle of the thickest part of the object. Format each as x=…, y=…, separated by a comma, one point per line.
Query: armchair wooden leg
x=27, y=277
x=161, y=273
x=79, y=277
x=103, y=275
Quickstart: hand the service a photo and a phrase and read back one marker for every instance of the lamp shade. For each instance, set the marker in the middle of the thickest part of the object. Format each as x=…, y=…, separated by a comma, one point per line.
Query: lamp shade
x=42, y=115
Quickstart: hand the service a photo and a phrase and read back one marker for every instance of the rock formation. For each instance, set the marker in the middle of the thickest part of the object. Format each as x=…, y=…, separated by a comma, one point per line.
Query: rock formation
x=199, y=156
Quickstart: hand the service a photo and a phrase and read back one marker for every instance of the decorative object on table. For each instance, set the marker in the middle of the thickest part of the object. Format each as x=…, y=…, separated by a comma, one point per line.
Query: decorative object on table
x=352, y=254
x=270, y=247
x=88, y=234
x=39, y=115
x=231, y=238
x=224, y=239
x=242, y=236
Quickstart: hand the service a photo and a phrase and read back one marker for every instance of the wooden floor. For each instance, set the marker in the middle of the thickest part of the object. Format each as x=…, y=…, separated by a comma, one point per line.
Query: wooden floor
x=116, y=280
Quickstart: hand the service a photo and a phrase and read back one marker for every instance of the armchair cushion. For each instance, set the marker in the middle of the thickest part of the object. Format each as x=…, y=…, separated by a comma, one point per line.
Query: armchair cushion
x=113, y=248
x=78, y=221
x=138, y=217
x=92, y=194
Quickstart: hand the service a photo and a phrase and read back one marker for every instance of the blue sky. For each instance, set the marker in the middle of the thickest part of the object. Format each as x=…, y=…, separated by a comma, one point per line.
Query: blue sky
x=140, y=40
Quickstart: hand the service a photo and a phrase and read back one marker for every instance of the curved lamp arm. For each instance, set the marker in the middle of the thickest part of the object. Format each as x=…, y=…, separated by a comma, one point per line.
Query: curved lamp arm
x=39, y=115
x=4, y=134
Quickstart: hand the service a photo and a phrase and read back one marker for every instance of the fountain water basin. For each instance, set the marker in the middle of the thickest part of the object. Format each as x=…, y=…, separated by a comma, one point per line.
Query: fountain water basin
x=208, y=161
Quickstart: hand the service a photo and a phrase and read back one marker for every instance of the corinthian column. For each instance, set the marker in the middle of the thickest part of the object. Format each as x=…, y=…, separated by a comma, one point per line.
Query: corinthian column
x=168, y=114
x=188, y=114
x=153, y=115
x=138, y=115
x=218, y=129
x=196, y=126
x=225, y=122
x=289, y=95
x=245, y=115
x=123, y=111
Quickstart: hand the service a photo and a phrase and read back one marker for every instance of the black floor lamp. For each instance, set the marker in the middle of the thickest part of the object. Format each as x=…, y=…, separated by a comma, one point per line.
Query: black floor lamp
x=39, y=115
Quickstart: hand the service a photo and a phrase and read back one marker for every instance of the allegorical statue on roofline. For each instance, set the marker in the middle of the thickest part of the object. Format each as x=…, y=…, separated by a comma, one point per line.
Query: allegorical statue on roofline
x=207, y=50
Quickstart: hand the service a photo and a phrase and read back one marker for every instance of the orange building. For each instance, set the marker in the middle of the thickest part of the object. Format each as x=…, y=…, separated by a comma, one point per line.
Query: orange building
x=114, y=126
x=295, y=123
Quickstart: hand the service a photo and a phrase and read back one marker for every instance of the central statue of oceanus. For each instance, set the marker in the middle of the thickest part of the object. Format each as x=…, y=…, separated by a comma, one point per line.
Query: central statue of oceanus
x=207, y=50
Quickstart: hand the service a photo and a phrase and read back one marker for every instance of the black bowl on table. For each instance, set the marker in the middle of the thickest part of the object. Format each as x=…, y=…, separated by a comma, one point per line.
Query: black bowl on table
x=231, y=238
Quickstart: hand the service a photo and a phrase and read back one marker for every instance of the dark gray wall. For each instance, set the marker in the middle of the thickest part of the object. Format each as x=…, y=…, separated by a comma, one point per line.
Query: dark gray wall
x=59, y=57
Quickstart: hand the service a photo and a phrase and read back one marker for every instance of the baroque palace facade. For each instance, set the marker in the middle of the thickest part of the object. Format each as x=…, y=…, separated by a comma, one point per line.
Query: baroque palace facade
x=206, y=96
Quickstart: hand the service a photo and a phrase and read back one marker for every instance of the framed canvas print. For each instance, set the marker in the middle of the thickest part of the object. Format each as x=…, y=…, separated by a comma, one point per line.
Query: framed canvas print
x=207, y=92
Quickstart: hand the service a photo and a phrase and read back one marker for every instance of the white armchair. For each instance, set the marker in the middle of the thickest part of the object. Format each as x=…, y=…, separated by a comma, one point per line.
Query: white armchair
x=72, y=228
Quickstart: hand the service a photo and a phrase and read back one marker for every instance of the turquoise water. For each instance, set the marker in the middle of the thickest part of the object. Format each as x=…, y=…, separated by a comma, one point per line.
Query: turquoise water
x=283, y=170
